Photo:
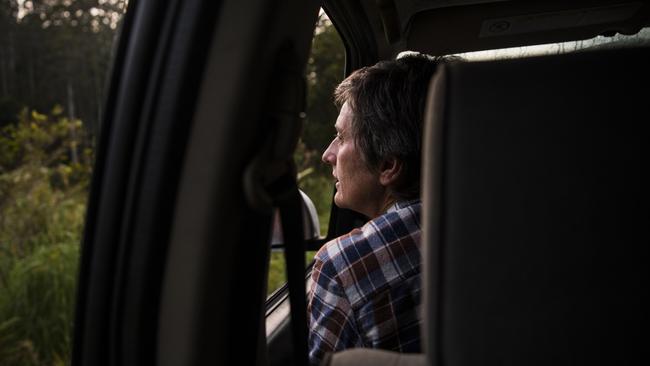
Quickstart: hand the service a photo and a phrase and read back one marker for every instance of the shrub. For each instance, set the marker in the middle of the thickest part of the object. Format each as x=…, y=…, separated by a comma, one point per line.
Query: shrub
x=37, y=309
x=45, y=167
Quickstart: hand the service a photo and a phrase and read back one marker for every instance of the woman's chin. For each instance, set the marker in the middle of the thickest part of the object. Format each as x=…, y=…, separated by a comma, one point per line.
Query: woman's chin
x=338, y=200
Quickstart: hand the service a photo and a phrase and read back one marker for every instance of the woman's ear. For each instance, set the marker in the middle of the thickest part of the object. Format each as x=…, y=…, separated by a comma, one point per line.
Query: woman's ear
x=390, y=171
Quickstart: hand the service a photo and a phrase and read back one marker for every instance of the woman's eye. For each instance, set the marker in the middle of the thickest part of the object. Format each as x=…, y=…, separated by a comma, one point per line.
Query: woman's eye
x=338, y=137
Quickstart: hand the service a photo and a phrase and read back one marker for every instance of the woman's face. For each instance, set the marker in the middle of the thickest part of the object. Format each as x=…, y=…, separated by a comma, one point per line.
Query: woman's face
x=357, y=187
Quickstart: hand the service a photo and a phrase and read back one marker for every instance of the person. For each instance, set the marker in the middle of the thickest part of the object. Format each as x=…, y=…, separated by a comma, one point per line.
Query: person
x=365, y=285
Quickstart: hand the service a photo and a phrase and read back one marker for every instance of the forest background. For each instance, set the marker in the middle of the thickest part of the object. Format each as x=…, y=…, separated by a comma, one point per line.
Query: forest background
x=55, y=56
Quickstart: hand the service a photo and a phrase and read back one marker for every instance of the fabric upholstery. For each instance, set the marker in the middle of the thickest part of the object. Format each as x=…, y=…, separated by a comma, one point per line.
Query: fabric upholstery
x=536, y=211
x=372, y=357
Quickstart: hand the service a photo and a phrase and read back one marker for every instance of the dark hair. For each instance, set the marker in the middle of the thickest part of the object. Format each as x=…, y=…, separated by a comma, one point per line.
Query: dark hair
x=387, y=102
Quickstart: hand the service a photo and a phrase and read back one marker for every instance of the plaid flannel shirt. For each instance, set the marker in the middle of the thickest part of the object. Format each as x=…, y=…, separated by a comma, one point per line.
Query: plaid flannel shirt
x=365, y=286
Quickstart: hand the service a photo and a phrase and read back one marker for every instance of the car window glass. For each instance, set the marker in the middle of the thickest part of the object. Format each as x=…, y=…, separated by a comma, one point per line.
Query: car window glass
x=54, y=61
x=324, y=71
x=640, y=39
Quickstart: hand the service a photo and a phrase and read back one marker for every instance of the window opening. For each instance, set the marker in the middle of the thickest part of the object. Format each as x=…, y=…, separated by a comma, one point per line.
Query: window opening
x=54, y=59
x=641, y=39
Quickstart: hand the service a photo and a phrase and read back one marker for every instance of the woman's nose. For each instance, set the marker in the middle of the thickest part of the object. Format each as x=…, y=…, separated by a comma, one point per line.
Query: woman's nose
x=328, y=156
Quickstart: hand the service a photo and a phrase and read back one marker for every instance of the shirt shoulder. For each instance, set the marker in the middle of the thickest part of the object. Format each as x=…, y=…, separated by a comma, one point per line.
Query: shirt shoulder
x=374, y=257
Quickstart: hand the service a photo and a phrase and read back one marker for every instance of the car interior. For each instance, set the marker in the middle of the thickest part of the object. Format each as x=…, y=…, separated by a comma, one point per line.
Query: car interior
x=534, y=194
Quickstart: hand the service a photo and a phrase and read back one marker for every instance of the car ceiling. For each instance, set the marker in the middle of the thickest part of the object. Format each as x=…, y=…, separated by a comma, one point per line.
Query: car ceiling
x=440, y=27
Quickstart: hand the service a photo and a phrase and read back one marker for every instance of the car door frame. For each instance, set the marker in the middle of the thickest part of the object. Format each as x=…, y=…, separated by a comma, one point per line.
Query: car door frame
x=173, y=262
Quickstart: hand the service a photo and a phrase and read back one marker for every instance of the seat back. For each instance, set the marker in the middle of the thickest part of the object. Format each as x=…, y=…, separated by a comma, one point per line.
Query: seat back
x=535, y=217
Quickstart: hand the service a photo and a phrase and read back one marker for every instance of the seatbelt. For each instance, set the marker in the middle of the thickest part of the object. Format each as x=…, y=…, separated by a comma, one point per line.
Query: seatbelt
x=294, y=253
x=284, y=195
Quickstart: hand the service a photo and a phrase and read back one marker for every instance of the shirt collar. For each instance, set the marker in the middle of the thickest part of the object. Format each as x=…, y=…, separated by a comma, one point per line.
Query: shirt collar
x=402, y=204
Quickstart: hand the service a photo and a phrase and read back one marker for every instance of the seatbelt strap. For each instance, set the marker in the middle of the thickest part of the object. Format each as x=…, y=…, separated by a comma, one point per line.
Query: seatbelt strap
x=292, y=229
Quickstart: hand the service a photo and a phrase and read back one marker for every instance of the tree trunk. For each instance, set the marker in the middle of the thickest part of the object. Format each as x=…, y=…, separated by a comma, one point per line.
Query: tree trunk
x=73, y=130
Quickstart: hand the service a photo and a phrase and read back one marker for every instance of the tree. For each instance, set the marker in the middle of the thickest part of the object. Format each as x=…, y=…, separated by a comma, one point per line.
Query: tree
x=324, y=71
x=57, y=52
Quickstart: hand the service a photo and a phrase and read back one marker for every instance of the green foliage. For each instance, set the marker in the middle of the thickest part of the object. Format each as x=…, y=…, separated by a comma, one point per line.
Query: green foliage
x=51, y=52
x=39, y=299
x=277, y=272
x=44, y=175
x=277, y=269
x=58, y=51
x=324, y=72
x=316, y=183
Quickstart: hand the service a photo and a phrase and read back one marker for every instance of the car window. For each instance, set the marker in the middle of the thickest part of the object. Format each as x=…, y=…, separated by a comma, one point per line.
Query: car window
x=324, y=71
x=54, y=61
x=640, y=39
